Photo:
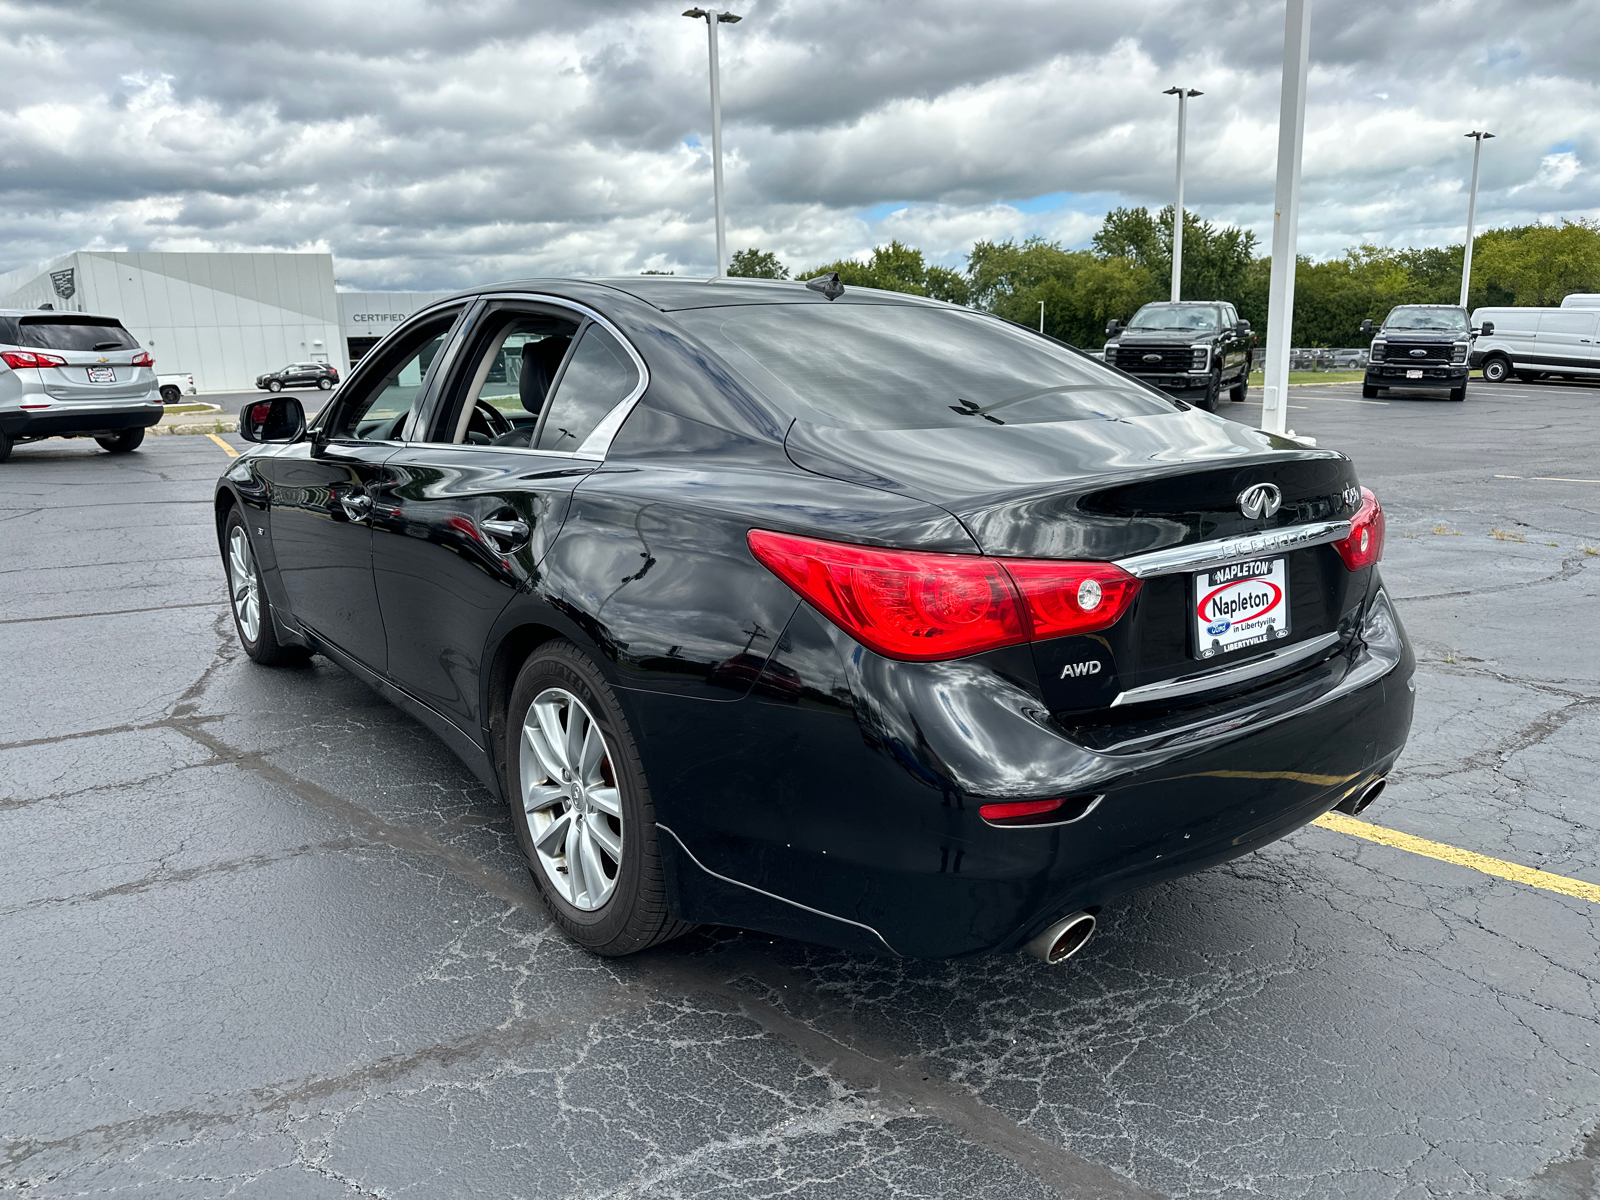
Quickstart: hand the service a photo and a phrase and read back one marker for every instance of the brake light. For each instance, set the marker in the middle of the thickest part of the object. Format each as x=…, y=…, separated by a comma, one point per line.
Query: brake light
x=143, y=359
x=30, y=358
x=1364, y=546
x=923, y=607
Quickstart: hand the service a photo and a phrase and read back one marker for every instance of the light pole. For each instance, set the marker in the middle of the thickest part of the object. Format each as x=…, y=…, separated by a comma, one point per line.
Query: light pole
x=1286, y=214
x=712, y=20
x=1477, y=136
x=1177, y=208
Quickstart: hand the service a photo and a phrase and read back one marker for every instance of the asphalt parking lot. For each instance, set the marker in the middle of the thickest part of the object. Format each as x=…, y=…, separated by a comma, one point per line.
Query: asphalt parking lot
x=260, y=934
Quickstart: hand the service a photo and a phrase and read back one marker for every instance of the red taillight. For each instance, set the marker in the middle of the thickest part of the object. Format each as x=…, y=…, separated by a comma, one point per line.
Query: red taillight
x=922, y=607
x=1364, y=546
x=30, y=358
x=1010, y=810
x=904, y=604
x=1071, y=597
x=143, y=359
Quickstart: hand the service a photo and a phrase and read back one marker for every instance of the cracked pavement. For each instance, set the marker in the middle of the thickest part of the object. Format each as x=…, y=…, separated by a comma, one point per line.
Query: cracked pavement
x=260, y=934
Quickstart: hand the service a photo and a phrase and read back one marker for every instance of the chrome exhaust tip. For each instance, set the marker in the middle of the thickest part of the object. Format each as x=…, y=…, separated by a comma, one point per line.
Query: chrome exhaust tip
x=1358, y=803
x=1063, y=939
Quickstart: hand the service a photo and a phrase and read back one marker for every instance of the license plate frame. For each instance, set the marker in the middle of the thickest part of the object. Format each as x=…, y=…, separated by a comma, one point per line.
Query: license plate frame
x=102, y=374
x=1240, y=605
x=1413, y=374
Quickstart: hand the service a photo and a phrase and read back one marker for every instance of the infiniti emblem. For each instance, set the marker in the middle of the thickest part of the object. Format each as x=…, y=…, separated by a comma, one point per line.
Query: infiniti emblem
x=1260, y=500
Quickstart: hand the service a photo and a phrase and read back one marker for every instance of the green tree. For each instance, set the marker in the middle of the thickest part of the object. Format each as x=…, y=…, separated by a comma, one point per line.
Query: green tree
x=1216, y=258
x=1079, y=290
x=1538, y=264
x=757, y=264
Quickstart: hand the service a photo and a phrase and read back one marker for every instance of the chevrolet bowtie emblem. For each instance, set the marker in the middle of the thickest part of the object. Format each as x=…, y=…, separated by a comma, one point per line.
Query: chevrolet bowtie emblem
x=105, y=360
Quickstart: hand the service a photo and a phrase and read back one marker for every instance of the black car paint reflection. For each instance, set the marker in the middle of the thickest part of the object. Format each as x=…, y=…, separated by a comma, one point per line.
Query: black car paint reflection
x=804, y=784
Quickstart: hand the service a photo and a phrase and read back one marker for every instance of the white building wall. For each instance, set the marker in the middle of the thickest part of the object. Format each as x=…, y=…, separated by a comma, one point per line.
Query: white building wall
x=373, y=314
x=225, y=318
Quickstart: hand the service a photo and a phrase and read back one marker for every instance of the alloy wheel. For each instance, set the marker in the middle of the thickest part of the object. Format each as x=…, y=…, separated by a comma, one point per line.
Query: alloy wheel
x=570, y=794
x=242, y=584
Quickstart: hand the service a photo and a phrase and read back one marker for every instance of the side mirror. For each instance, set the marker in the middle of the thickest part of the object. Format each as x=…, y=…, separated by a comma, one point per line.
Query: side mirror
x=1243, y=326
x=1366, y=326
x=1112, y=326
x=1488, y=329
x=278, y=420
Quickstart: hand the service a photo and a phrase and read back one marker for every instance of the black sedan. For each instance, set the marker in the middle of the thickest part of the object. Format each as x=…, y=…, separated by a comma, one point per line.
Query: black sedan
x=306, y=374
x=855, y=617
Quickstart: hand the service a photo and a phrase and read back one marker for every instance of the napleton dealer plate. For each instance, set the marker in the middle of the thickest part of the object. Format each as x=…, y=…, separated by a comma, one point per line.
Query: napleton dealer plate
x=1241, y=604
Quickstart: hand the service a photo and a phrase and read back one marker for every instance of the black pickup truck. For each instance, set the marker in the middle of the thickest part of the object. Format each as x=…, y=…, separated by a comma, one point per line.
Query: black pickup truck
x=1421, y=346
x=1192, y=348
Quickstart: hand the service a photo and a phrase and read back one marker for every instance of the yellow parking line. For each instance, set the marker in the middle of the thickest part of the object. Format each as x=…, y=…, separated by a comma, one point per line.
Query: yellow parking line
x=232, y=453
x=1548, y=478
x=1497, y=867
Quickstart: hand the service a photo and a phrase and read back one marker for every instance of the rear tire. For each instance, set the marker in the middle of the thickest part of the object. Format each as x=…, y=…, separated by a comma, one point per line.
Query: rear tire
x=609, y=894
x=1369, y=392
x=122, y=443
x=170, y=394
x=5, y=445
x=1496, y=370
x=324, y=383
x=1237, y=392
x=247, y=597
x=1213, y=392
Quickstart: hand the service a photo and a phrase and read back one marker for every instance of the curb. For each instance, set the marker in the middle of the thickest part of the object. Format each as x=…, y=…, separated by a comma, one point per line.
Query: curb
x=201, y=427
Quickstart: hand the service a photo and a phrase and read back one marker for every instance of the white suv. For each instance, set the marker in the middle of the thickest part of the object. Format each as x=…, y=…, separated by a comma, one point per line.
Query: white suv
x=65, y=374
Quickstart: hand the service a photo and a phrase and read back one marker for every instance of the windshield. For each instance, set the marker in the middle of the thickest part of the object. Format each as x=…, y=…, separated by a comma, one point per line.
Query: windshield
x=1450, y=320
x=864, y=366
x=74, y=333
x=1191, y=318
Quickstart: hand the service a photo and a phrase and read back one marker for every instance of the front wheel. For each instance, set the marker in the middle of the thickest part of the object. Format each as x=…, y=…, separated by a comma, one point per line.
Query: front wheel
x=582, y=807
x=248, y=599
x=1459, y=393
x=5, y=445
x=274, y=386
x=1496, y=370
x=121, y=443
x=1213, y=392
x=1237, y=392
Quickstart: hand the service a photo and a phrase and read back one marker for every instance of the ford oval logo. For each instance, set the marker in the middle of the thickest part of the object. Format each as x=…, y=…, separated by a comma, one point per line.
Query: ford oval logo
x=1260, y=500
x=1152, y=358
x=1419, y=354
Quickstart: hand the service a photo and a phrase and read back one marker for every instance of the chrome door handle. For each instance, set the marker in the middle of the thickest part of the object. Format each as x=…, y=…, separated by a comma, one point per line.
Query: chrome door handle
x=510, y=534
x=357, y=505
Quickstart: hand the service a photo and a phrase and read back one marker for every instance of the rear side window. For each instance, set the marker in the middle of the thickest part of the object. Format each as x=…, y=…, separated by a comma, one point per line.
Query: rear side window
x=900, y=367
x=598, y=377
x=1569, y=321
x=66, y=332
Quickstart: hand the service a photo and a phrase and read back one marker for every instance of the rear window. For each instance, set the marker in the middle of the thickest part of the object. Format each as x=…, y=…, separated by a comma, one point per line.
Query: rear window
x=901, y=367
x=67, y=332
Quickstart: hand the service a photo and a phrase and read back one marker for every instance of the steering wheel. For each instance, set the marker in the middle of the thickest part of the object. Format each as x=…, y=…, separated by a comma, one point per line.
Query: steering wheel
x=488, y=420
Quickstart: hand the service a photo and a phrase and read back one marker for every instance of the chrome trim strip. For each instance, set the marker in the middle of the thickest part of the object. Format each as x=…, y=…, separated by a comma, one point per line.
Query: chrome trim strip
x=1188, y=684
x=1223, y=551
x=775, y=896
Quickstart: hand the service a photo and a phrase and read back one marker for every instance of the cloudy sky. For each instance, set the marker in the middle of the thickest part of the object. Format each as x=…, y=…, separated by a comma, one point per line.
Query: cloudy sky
x=434, y=143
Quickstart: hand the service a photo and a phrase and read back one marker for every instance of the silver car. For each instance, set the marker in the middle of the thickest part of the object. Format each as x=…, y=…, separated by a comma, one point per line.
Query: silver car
x=65, y=374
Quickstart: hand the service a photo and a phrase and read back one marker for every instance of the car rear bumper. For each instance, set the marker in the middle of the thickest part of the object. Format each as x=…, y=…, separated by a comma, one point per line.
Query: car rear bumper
x=860, y=828
x=72, y=420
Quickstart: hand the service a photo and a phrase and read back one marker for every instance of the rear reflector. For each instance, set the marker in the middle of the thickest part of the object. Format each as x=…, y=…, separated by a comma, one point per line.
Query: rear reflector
x=30, y=358
x=922, y=607
x=1364, y=546
x=1018, y=808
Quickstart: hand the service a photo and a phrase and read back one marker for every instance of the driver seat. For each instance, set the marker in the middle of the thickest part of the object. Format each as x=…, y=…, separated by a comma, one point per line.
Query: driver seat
x=540, y=362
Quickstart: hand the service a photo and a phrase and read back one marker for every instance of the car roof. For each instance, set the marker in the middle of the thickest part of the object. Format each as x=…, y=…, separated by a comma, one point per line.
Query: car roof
x=55, y=312
x=672, y=292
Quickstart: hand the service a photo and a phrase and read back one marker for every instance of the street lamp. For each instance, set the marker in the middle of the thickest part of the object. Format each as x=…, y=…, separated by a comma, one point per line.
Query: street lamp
x=712, y=20
x=1177, y=208
x=1477, y=136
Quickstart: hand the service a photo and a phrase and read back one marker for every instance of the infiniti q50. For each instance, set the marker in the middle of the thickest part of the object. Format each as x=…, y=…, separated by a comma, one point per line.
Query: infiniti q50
x=831, y=613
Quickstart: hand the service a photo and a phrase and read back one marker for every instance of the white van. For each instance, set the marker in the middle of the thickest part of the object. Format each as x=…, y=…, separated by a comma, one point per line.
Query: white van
x=1531, y=343
x=1582, y=300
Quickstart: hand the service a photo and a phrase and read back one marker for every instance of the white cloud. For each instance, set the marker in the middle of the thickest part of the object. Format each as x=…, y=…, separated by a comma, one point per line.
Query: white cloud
x=449, y=144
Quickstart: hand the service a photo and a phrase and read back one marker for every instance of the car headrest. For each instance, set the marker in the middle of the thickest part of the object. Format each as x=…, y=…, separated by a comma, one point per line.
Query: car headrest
x=540, y=362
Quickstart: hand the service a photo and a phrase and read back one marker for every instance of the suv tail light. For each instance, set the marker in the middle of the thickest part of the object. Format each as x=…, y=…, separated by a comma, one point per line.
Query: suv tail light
x=923, y=607
x=30, y=358
x=1364, y=546
x=143, y=359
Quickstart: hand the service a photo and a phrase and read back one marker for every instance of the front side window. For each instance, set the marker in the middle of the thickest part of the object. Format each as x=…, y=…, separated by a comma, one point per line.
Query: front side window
x=377, y=411
x=869, y=366
x=67, y=332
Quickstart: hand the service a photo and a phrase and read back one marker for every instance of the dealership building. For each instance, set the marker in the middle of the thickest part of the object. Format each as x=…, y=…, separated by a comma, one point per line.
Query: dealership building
x=224, y=318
